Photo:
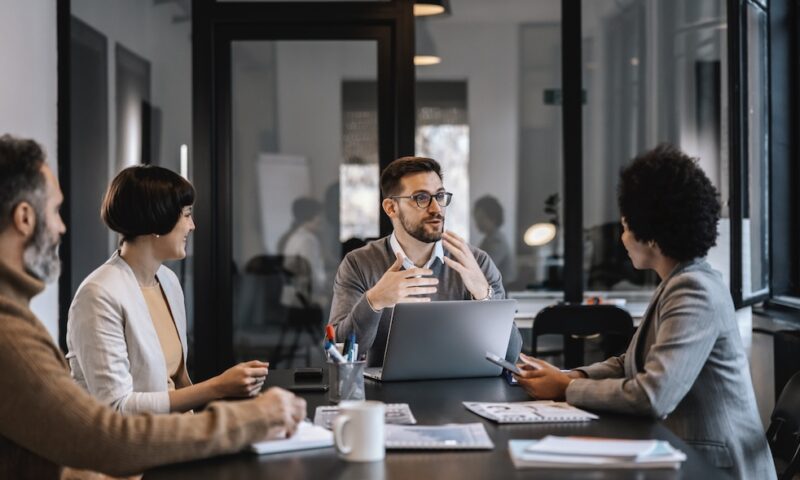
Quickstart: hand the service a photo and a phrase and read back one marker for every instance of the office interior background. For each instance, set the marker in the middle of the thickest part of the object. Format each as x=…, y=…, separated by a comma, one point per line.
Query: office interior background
x=282, y=114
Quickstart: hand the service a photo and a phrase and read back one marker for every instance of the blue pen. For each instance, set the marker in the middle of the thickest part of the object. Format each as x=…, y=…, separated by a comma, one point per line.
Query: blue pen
x=351, y=352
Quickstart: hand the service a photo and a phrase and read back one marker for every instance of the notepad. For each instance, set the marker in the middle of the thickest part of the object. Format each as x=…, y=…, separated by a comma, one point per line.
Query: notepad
x=540, y=411
x=454, y=436
x=308, y=436
x=396, y=413
x=594, y=453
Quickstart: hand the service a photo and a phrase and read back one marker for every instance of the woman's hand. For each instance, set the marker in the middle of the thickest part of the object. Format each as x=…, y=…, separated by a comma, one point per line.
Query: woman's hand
x=243, y=380
x=542, y=380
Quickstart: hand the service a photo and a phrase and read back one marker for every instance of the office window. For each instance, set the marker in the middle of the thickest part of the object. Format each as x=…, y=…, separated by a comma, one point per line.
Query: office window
x=653, y=72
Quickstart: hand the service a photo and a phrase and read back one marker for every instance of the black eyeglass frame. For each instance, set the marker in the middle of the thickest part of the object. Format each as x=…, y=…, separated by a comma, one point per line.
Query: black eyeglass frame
x=442, y=198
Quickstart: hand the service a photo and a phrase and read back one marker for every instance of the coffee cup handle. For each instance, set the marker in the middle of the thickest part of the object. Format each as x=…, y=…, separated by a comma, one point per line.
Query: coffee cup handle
x=338, y=429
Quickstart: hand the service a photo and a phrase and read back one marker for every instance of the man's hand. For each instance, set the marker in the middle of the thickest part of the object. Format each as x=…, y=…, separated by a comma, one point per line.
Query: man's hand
x=283, y=411
x=463, y=261
x=401, y=286
x=542, y=380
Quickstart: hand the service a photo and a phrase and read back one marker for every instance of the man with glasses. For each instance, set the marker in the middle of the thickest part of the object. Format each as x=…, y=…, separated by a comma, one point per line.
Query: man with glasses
x=419, y=262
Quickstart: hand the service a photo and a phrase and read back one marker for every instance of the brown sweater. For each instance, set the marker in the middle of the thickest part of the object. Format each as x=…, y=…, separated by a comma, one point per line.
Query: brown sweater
x=47, y=421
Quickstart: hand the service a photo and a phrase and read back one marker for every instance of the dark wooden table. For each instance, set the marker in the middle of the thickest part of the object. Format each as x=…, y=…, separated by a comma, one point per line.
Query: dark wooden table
x=433, y=403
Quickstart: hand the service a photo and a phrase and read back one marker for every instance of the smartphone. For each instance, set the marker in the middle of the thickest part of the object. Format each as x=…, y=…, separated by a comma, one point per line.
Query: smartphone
x=313, y=373
x=308, y=387
x=503, y=363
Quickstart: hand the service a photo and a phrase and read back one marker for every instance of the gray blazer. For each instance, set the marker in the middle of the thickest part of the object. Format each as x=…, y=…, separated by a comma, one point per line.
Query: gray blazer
x=686, y=365
x=114, y=351
x=361, y=269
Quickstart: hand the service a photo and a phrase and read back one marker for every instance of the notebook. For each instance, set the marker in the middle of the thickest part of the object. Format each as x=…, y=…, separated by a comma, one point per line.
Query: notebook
x=308, y=436
x=398, y=413
x=540, y=411
x=454, y=436
x=594, y=453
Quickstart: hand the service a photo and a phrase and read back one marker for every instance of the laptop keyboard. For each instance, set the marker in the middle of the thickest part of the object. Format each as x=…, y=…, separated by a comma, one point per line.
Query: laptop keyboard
x=373, y=372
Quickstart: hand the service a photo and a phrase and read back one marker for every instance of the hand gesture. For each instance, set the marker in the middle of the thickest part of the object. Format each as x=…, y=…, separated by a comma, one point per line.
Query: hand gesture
x=463, y=261
x=243, y=380
x=283, y=411
x=401, y=286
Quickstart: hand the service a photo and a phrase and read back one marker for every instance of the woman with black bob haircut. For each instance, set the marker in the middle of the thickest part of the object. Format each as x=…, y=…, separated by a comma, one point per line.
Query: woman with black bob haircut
x=126, y=332
x=686, y=364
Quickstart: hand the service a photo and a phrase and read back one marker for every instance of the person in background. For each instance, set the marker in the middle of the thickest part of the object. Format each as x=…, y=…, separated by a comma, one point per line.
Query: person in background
x=303, y=255
x=686, y=363
x=126, y=332
x=411, y=264
x=489, y=218
x=47, y=421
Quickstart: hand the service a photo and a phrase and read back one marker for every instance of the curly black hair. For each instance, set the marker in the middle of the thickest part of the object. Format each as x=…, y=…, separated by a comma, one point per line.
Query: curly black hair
x=666, y=197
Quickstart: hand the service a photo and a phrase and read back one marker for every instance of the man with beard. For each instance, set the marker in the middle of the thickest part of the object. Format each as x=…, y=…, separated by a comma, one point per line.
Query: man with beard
x=411, y=264
x=47, y=421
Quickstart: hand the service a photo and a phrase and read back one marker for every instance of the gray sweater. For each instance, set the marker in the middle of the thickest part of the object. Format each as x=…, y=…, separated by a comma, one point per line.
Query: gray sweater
x=362, y=268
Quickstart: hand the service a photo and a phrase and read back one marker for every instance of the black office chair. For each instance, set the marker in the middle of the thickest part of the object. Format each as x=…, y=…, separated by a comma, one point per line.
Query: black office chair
x=575, y=323
x=783, y=433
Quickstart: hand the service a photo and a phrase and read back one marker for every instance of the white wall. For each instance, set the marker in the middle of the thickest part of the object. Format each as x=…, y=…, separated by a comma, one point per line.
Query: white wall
x=29, y=95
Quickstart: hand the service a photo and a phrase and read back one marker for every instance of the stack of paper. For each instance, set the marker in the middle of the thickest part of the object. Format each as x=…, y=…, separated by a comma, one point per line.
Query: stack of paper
x=583, y=452
x=308, y=436
x=543, y=411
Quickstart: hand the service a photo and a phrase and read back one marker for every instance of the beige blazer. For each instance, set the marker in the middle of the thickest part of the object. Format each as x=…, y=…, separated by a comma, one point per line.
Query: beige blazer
x=686, y=365
x=114, y=351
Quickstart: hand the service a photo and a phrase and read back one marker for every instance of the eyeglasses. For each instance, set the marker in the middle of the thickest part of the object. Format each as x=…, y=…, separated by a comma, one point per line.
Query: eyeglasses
x=423, y=199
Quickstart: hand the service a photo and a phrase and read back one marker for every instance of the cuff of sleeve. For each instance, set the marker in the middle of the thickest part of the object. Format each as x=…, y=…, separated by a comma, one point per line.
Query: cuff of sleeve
x=363, y=309
x=370, y=304
x=576, y=389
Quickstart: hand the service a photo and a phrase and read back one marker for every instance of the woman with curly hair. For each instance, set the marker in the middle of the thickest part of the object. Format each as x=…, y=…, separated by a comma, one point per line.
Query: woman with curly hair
x=686, y=364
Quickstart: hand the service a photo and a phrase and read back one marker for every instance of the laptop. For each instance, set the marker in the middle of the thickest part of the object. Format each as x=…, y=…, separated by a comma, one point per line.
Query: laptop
x=445, y=340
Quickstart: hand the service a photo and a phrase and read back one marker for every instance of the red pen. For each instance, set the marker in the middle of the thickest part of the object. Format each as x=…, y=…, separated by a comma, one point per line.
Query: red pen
x=330, y=333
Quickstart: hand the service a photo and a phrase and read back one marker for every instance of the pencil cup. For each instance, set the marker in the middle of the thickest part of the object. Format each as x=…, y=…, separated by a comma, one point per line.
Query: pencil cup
x=346, y=381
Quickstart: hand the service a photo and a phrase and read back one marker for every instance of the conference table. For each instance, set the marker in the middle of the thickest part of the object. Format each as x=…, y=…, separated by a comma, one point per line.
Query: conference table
x=436, y=402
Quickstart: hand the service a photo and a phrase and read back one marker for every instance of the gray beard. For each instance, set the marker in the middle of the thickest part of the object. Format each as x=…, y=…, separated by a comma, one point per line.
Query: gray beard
x=418, y=231
x=40, y=257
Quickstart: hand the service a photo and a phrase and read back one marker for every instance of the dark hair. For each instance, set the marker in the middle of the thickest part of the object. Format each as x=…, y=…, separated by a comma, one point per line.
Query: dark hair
x=395, y=171
x=666, y=197
x=145, y=199
x=21, y=178
x=491, y=207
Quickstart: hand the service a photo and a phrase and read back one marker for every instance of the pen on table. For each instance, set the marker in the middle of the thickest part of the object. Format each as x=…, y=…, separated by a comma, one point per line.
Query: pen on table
x=330, y=347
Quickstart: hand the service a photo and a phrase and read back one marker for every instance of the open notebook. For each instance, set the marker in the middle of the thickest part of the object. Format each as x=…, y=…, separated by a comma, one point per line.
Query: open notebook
x=539, y=411
x=308, y=436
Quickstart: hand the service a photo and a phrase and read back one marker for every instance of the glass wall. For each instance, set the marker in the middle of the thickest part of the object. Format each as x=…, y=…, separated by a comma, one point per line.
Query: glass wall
x=654, y=71
x=131, y=103
x=305, y=186
x=490, y=112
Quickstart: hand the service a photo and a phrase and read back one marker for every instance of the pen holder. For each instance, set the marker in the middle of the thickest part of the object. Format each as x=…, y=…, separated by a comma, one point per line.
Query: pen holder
x=346, y=381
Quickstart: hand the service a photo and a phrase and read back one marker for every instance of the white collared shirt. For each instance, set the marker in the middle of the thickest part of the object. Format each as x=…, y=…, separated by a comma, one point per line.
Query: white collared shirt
x=438, y=252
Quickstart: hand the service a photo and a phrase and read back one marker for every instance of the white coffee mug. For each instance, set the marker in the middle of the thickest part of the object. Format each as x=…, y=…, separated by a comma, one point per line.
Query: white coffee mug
x=358, y=431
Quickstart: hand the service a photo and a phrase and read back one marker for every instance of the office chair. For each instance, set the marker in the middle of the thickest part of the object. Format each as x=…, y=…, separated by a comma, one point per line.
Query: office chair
x=575, y=323
x=783, y=433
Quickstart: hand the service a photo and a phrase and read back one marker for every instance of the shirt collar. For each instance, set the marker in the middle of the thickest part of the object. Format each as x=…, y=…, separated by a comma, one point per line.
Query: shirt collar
x=438, y=252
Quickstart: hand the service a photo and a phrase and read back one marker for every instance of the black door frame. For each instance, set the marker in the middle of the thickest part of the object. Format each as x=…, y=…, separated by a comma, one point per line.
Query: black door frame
x=215, y=27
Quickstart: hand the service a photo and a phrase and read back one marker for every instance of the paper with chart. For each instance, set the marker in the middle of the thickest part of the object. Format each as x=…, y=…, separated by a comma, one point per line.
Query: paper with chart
x=453, y=436
x=540, y=411
x=396, y=413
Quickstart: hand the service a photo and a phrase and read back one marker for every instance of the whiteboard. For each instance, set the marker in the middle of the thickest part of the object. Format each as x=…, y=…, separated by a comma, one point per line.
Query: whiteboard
x=281, y=179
